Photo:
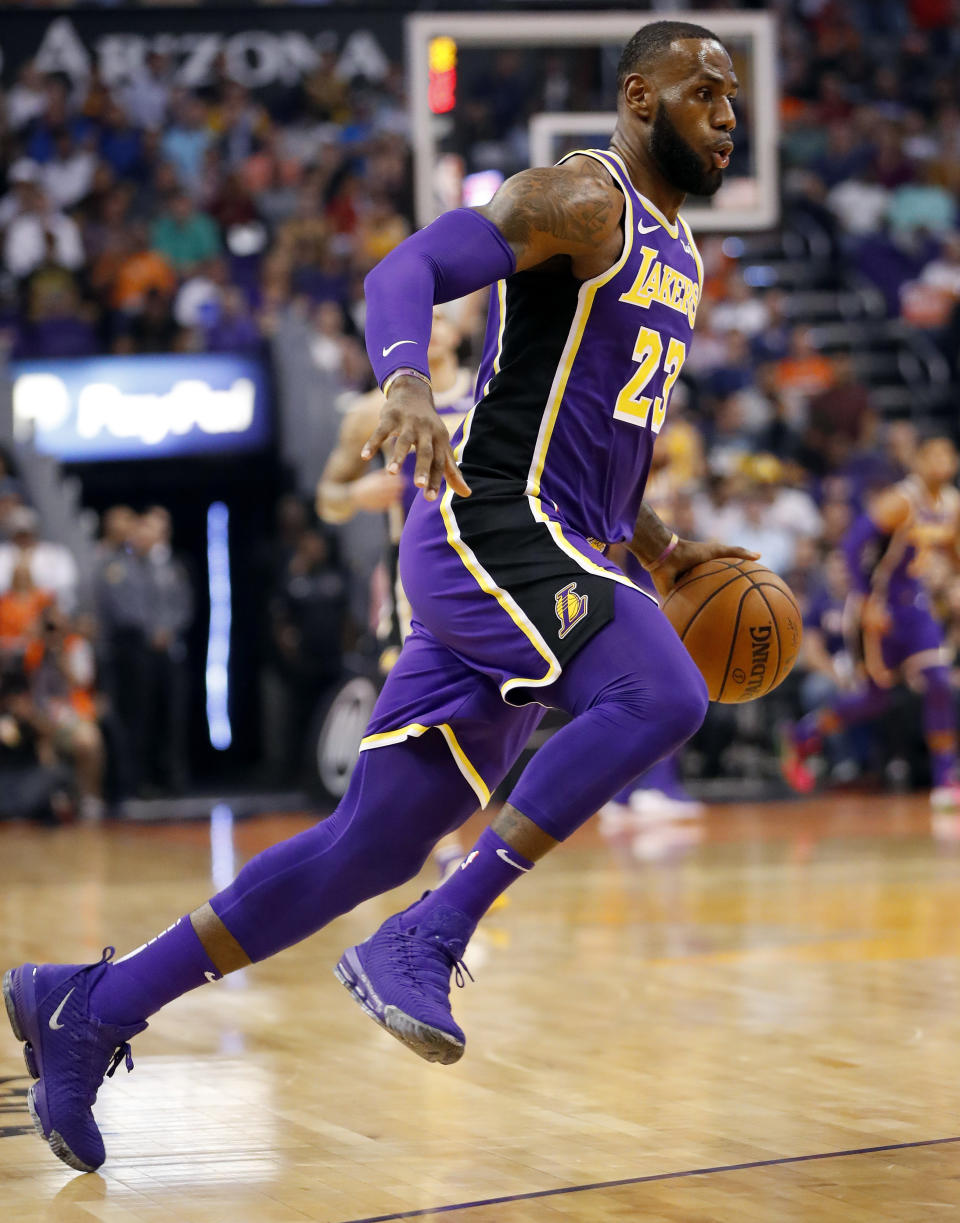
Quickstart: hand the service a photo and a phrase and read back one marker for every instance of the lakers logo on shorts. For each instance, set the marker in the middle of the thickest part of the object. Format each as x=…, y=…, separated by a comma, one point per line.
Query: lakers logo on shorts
x=570, y=608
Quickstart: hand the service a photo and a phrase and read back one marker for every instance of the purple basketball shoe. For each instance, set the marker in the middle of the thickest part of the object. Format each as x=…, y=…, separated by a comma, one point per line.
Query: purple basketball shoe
x=67, y=1050
x=401, y=978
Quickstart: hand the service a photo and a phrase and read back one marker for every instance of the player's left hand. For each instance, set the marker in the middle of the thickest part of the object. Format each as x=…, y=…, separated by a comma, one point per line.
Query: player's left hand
x=689, y=553
x=408, y=416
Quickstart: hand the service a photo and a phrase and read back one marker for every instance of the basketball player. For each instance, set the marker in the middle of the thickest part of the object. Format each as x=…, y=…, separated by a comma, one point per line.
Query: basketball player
x=347, y=487
x=888, y=551
x=516, y=607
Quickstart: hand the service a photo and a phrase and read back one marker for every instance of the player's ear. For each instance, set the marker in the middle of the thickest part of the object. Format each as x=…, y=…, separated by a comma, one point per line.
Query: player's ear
x=638, y=95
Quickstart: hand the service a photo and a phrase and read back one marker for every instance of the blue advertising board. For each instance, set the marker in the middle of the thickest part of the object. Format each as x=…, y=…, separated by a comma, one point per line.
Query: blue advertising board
x=95, y=409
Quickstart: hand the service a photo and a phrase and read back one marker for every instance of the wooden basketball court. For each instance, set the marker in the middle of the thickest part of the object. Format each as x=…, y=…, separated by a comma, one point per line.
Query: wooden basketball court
x=752, y=1019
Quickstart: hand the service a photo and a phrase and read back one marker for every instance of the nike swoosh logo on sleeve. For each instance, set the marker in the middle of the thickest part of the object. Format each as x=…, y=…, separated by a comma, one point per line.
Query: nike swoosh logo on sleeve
x=396, y=344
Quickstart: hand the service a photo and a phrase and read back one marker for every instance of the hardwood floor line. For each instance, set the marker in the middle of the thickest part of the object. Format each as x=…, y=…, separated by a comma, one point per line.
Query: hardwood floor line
x=507, y=1199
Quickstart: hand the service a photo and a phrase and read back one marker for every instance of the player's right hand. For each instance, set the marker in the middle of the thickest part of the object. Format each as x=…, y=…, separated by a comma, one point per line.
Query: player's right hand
x=377, y=490
x=409, y=417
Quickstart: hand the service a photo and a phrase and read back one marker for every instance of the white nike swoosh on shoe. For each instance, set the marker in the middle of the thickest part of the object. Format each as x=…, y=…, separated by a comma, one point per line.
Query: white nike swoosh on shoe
x=646, y=229
x=52, y=1021
x=502, y=853
x=396, y=344
x=211, y=976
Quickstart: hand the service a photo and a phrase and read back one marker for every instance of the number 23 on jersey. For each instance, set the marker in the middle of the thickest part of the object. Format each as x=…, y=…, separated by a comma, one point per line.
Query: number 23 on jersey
x=632, y=405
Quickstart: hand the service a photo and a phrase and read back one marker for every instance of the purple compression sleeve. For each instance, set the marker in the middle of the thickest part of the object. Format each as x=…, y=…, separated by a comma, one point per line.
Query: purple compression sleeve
x=863, y=532
x=459, y=253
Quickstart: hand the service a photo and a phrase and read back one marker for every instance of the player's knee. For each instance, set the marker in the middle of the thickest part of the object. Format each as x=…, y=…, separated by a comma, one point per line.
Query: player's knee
x=685, y=703
x=672, y=703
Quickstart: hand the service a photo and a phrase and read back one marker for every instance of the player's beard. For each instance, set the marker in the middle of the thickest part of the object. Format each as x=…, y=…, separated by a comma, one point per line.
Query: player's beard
x=679, y=162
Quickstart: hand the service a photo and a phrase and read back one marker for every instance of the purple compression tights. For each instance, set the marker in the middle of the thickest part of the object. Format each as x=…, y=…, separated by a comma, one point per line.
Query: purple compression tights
x=635, y=695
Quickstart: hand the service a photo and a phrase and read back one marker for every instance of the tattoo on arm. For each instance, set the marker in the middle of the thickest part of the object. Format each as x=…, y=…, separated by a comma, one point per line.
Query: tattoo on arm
x=577, y=209
x=650, y=536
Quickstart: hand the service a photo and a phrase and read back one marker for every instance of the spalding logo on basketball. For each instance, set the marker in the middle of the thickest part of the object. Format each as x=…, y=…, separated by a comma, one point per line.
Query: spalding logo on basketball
x=741, y=625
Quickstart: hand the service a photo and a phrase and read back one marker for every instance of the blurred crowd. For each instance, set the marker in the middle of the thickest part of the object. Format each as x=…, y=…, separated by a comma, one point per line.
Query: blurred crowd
x=152, y=218
x=93, y=688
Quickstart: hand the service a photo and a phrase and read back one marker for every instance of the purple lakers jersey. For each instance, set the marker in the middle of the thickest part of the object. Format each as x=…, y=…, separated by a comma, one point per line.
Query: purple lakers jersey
x=576, y=376
x=931, y=527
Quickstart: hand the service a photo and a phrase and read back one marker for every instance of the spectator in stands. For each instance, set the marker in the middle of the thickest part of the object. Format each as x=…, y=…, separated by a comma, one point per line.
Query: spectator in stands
x=51, y=565
x=22, y=608
x=152, y=330
x=121, y=143
x=26, y=100
x=34, y=785
x=169, y=617
x=773, y=341
x=234, y=329
x=734, y=373
x=147, y=96
x=11, y=498
x=122, y=595
x=198, y=300
x=184, y=236
x=30, y=233
x=841, y=407
x=139, y=272
x=56, y=323
x=859, y=203
x=327, y=342
x=238, y=123
x=742, y=310
x=186, y=139
x=926, y=206
x=748, y=514
x=308, y=614
x=67, y=177
x=930, y=301
x=61, y=669
x=233, y=204
x=22, y=177
x=803, y=372
x=118, y=524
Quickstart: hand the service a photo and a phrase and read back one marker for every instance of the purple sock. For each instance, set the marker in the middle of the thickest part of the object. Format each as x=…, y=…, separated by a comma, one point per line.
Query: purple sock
x=141, y=982
x=487, y=870
x=401, y=800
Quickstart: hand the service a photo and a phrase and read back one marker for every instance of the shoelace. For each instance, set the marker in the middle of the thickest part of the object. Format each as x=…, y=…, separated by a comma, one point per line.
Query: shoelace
x=122, y=1053
x=432, y=975
x=459, y=968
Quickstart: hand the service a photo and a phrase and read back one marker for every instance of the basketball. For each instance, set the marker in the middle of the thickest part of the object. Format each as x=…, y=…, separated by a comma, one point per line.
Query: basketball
x=741, y=624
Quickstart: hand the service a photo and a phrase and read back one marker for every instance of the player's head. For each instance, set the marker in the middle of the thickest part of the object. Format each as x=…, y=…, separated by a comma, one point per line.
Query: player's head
x=936, y=458
x=676, y=84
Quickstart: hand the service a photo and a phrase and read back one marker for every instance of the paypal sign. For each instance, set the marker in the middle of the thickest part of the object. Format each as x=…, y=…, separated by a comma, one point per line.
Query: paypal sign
x=100, y=408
